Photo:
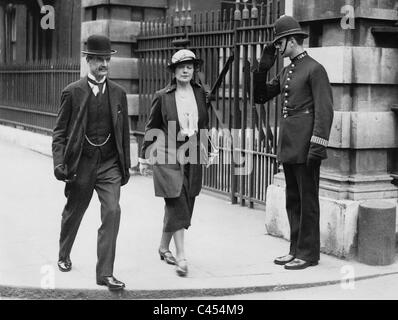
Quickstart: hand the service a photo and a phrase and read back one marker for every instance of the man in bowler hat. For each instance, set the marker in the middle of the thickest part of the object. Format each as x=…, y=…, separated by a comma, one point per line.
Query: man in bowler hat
x=307, y=115
x=91, y=151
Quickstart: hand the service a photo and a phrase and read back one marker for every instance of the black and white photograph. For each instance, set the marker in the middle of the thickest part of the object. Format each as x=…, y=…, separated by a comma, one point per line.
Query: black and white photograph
x=200, y=154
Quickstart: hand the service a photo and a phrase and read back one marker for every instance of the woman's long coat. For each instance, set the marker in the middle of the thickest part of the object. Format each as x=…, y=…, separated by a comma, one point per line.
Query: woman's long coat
x=168, y=172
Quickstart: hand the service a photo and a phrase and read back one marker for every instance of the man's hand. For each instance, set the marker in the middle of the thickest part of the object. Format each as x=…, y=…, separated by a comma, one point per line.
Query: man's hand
x=313, y=161
x=60, y=173
x=268, y=58
x=144, y=169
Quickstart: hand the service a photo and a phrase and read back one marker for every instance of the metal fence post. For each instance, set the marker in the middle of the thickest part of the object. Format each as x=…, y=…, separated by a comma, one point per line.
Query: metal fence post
x=235, y=110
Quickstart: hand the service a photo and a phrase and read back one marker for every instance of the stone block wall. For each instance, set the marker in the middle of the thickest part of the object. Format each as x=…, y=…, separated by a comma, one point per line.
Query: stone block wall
x=363, y=70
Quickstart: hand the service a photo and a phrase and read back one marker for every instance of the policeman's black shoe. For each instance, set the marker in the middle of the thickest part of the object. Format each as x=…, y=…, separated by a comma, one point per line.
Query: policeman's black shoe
x=284, y=259
x=298, y=264
x=65, y=265
x=111, y=282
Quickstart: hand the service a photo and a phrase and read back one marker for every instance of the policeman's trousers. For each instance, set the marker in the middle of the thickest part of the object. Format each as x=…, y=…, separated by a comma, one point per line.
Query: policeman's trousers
x=302, y=206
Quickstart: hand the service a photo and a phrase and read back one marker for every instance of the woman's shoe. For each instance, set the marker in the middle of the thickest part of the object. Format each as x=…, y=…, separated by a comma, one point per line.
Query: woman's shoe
x=182, y=267
x=167, y=256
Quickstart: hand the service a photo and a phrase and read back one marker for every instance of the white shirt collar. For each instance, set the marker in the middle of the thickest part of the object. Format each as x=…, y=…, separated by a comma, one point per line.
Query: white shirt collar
x=93, y=78
x=94, y=87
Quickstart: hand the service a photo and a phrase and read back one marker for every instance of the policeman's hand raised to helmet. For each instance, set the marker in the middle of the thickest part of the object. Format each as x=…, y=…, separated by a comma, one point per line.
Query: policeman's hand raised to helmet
x=268, y=57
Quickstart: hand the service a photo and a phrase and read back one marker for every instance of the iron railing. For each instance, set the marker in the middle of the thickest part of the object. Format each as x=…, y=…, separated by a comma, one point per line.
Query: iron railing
x=30, y=93
x=230, y=43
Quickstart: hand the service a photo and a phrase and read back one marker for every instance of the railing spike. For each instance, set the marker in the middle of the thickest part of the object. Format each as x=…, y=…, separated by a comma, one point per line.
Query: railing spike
x=237, y=13
x=245, y=12
x=183, y=14
x=254, y=13
x=224, y=16
x=189, y=15
x=177, y=16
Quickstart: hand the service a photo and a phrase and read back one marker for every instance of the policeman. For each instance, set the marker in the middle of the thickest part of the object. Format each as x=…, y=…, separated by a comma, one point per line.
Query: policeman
x=307, y=115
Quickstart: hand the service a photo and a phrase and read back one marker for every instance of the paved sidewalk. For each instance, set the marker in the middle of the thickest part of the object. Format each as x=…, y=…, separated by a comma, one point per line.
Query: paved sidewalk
x=227, y=247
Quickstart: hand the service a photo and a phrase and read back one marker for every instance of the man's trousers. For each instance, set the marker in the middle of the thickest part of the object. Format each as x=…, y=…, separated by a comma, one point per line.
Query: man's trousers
x=105, y=178
x=302, y=206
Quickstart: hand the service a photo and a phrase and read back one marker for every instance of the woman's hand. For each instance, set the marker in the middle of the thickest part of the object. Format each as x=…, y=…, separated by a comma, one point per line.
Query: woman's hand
x=144, y=169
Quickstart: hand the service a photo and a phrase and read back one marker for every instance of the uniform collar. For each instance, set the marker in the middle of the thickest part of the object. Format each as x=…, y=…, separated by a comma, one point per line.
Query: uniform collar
x=172, y=86
x=299, y=57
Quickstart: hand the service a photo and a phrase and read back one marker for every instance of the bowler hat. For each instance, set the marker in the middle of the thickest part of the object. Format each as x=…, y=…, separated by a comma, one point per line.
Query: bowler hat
x=183, y=55
x=287, y=26
x=98, y=44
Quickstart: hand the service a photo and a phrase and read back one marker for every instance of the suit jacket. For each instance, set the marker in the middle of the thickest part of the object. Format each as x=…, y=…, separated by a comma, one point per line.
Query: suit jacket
x=168, y=172
x=70, y=127
x=307, y=103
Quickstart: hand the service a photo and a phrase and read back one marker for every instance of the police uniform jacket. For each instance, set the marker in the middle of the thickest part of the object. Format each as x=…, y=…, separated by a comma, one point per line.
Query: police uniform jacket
x=71, y=123
x=307, y=108
x=162, y=127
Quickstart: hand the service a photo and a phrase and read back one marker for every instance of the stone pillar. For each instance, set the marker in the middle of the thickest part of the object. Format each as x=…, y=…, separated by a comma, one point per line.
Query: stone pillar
x=363, y=69
x=120, y=20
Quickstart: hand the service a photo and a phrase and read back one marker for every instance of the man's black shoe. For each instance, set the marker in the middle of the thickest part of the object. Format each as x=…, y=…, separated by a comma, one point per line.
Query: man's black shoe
x=298, y=264
x=65, y=265
x=111, y=282
x=284, y=259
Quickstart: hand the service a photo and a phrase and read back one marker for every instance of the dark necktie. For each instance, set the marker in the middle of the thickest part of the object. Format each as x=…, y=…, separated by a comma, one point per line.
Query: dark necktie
x=98, y=84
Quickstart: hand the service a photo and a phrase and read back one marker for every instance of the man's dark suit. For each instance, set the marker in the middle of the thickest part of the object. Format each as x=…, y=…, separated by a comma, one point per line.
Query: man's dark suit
x=86, y=171
x=68, y=135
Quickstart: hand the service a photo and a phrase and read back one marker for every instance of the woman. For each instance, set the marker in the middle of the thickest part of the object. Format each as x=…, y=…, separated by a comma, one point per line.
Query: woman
x=177, y=115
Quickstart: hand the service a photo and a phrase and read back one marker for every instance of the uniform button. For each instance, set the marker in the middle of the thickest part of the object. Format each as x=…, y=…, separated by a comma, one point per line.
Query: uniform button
x=286, y=86
x=286, y=101
x=285, y=116
x=288, y=79
x=290, y=71
x=293, y=65
x=286, y=94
